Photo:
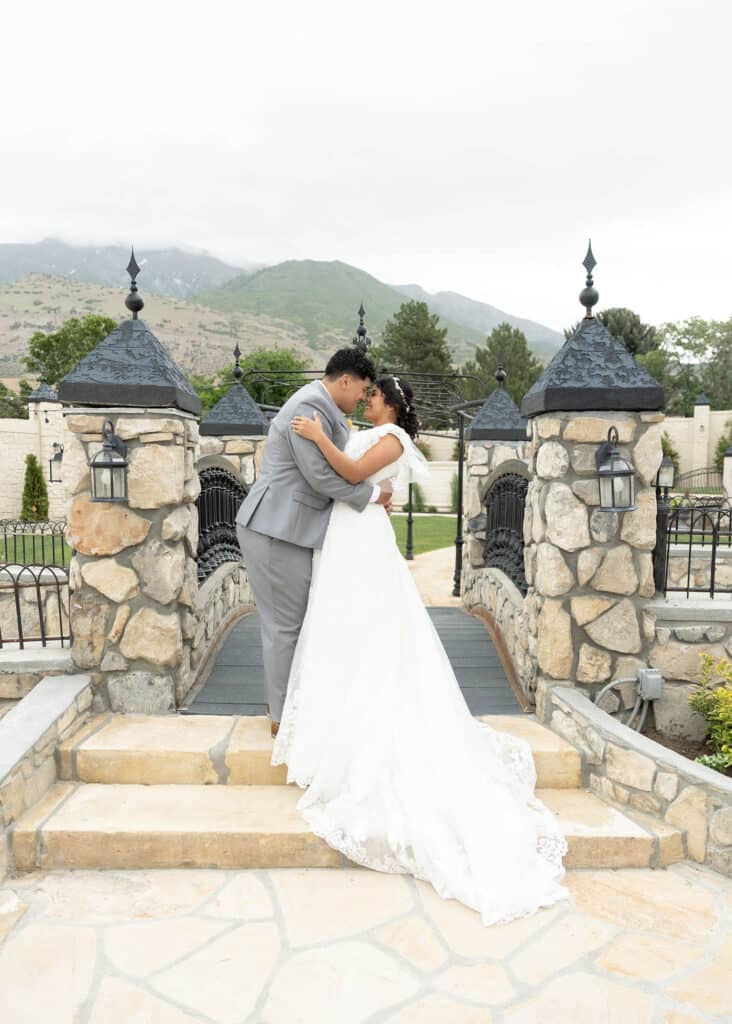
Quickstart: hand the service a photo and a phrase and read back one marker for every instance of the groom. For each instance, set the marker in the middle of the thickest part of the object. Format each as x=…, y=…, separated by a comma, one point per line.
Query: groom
x=286, y=513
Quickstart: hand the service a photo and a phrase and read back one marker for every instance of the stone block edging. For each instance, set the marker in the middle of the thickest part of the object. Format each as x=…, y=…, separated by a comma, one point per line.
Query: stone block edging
x=20, y=671
x=633, y=771
x=29, y=735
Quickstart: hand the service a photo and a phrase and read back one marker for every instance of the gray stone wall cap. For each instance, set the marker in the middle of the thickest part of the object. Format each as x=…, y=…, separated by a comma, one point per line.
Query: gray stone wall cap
x=235, y=414
x=32, y=716
x=130, y=367
x=43, y=393
x=43, y=659
x=163, y=411
x=699, y=608
x=630, y=739
x=593, y=372
x=498, y=419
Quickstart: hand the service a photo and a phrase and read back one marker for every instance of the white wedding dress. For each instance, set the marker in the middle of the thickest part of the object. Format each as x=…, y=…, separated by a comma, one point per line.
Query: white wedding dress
x=400, y=777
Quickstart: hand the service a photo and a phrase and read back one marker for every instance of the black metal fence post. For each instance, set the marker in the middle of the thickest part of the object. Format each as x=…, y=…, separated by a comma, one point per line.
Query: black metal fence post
x=660, y=552
x=409, y=553
x=459, y=534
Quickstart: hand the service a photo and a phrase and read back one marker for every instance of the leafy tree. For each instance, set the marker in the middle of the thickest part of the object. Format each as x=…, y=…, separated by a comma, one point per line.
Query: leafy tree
x=627, y=328
x=274, y=391
x=680, y=381
x=413, y=341
x=51, y=356
x=35, y=494
x=522, y=366
x=12, y=405
x=706, y=345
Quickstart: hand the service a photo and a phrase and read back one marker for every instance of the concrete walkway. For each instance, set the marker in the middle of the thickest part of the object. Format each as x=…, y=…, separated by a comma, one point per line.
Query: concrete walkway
x=335, y=947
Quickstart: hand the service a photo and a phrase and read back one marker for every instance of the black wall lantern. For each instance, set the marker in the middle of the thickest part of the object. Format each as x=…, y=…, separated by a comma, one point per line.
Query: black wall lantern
x=54, y=463
x=109, y=468
x=616, y=476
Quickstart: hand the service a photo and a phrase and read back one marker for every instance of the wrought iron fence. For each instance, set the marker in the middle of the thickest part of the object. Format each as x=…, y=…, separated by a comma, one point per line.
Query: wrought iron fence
x=695, y=530
x=218, y=503
x=42, y=543
x=34, y=605
x=707, y=480
x=504, y=528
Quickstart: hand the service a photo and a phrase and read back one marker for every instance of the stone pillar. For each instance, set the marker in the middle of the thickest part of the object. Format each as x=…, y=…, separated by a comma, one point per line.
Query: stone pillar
x=727, y=473
x=133, y=575
x=590, y=572
x=46, y=413
x=700, y=443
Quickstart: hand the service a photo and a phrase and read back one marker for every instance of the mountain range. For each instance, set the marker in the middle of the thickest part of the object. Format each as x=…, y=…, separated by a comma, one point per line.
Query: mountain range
x=200, y=306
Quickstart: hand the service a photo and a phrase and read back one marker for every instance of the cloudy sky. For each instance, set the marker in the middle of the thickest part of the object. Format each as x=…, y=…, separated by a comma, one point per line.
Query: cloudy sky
x=471, y=146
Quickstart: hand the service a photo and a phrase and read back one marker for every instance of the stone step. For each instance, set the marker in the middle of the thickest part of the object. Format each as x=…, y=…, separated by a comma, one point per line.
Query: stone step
x=164, y=826
x=210, y=749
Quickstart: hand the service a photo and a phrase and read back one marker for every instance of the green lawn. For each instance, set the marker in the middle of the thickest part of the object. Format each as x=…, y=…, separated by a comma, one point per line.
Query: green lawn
x=428, y=533
x=38, y=550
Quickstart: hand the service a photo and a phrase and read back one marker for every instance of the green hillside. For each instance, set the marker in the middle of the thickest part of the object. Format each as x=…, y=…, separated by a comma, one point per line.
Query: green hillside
x=322, y=298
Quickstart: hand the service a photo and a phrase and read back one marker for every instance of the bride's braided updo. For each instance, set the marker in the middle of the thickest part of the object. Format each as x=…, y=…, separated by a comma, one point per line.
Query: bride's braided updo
x=398, y=395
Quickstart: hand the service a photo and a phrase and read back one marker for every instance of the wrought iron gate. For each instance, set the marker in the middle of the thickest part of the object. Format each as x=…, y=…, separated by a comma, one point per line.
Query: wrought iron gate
x=504, y=529
x=218, y=503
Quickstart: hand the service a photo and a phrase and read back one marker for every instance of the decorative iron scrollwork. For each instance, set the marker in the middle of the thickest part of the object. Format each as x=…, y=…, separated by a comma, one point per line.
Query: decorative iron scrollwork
x=218, y=503
x=504, y=529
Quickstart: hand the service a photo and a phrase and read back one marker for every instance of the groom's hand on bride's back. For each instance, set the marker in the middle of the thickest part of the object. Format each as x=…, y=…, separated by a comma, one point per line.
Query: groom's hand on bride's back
x=385, y=497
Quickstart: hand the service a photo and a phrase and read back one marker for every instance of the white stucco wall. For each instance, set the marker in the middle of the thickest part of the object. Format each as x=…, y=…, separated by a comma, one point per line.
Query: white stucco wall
x=18, y=438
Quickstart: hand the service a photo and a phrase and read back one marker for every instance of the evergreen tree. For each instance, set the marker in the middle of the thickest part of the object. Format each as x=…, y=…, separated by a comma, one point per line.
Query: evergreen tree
x=627, y=328
x=35, y=494
x=507, y=344
x=413, y=342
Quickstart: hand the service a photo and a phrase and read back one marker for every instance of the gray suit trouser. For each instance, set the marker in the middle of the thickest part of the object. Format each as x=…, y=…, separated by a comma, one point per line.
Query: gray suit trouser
x=279, y=574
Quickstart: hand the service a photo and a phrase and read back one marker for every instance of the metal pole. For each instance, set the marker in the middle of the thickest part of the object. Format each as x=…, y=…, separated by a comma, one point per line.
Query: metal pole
x=459, y=534
x=410, y=523
x=660, y=554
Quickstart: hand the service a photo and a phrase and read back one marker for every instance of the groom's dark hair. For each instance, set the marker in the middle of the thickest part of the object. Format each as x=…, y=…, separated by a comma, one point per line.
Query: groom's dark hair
x=352, y=361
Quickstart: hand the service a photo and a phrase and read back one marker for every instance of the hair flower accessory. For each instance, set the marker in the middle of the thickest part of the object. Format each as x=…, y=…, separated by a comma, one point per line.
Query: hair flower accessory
x=398, y=386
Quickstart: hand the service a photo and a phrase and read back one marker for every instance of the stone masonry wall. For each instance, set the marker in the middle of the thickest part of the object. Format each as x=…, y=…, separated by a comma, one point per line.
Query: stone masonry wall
x=488, y=589
x=243, y=454
x=590, y=573
x=632, y=771
x=133, y=577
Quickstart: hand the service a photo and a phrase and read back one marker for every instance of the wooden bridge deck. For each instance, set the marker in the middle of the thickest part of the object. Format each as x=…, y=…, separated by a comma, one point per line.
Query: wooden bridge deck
x=236, y=684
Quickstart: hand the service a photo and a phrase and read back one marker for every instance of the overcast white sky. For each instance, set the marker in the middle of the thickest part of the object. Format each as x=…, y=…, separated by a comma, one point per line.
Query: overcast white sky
x=471, y=146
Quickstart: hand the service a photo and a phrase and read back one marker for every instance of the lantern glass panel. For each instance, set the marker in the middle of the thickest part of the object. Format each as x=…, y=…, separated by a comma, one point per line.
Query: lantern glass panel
x=666, y=473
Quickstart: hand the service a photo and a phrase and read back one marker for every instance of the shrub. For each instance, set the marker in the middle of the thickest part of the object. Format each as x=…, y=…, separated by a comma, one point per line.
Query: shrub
x=670, y=452
x=432, y=509
x=715, y=705
x=454, y=493
x=424, y=448
x=35, y=494
x=722, y=445
x=417, y=500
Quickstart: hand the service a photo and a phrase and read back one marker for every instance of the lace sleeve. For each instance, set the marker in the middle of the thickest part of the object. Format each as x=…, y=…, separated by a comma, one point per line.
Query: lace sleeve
x=413, y=466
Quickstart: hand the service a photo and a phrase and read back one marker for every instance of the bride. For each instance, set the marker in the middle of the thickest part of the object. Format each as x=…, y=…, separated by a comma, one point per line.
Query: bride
x=398, y=774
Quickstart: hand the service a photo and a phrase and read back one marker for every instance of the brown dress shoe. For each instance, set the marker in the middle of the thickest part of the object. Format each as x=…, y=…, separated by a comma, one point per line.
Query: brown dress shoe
x=274, y=727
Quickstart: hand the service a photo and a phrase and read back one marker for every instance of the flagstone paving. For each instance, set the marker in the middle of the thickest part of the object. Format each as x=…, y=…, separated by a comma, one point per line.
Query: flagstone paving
x=335, y=947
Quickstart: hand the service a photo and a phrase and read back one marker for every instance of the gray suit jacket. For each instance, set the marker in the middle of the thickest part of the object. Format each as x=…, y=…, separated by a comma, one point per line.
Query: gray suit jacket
x=293, y=495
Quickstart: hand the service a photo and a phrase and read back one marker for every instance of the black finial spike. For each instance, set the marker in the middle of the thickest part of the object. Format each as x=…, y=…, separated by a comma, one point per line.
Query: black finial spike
x=238, y=372
x=589, y=295
x=501, y=372
x=134, y=302
x=361, y=340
